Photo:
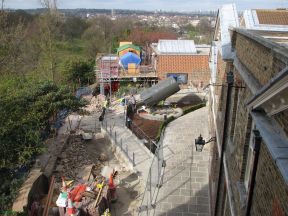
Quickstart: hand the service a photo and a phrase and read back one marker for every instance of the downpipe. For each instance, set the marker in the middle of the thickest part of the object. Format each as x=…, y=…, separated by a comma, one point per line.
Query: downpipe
x=256, y=151
x=224, y=137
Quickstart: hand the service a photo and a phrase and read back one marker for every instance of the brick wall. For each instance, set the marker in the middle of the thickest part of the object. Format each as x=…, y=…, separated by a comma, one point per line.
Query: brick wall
x=214, y=175
x=222, y=196
x=263, y=65
x=227, y=207
x=258, y=59
x=282, y=119
x=221, y=96
x=233, y=112
x=238, y=147
x=270, y=192
x=196, y=66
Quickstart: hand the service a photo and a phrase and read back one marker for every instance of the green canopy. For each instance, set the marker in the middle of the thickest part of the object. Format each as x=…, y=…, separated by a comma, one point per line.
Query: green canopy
x=127, y=46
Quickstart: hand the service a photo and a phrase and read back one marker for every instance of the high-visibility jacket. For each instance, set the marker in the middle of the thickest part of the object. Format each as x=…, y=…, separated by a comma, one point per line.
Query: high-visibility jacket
x=107, y=213
x=105, y=104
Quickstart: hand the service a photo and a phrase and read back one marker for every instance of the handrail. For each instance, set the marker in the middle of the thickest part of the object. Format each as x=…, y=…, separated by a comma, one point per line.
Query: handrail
x=150, y=191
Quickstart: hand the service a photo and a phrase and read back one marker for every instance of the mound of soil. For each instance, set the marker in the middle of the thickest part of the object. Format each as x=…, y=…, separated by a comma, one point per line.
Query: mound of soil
x=149, y=127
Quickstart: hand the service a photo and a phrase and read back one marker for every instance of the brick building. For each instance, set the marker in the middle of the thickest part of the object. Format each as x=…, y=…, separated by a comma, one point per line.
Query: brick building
x=183, y=60
x=249, y=116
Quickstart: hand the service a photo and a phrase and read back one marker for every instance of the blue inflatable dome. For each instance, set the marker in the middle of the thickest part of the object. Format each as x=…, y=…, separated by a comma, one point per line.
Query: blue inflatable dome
x=129, y=58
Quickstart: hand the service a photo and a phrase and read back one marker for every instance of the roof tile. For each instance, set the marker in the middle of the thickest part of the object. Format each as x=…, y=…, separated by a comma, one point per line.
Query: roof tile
x=273, y=17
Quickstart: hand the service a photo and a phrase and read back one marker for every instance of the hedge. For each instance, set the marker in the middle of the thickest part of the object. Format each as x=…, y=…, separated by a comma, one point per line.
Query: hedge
x=172, y=118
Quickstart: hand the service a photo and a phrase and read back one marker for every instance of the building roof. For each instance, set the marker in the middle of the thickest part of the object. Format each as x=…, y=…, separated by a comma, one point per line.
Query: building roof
x=227, y=17
x=272, y=17
x=176, y=47
x=203, y=49
x=280, y=38
x=109, y=58
x=267, y=20
x=124, y=43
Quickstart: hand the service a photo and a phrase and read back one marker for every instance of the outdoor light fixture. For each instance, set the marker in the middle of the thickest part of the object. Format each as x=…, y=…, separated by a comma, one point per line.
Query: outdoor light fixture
x=229, y=81
x=200, y=142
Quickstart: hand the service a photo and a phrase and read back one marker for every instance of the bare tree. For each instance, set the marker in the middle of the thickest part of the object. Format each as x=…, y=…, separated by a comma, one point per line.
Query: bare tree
x=48, y=24
x=2, y=5
x=51, y=5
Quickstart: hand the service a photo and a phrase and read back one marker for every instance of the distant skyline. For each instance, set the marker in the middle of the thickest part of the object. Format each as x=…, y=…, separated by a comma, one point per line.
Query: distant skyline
x=167, y=5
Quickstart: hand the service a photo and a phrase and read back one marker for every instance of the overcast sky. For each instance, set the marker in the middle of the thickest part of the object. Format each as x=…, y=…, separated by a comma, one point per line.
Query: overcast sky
x=168, y=5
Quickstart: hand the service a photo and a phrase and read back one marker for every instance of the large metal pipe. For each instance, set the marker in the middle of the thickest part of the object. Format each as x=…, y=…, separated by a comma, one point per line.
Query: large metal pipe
x=159, y=92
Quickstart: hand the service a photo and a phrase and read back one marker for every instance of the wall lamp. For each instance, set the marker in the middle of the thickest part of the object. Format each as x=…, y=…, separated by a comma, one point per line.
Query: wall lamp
x=200, y=142
x=229, y=80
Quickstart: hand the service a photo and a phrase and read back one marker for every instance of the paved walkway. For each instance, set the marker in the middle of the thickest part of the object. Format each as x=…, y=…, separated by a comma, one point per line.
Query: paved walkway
x=185, y=182
x=143, y=157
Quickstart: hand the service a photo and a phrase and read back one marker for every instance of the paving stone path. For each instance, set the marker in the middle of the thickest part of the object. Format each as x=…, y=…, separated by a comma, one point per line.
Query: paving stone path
x=185, y=182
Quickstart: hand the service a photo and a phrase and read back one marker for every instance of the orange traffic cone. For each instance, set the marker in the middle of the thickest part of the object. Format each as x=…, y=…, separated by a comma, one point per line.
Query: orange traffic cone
x=71, y=210
x=111, y=182
x=112, y=188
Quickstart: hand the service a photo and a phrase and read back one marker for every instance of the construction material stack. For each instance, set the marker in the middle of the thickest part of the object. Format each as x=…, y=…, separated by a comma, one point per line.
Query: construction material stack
x=91, y=198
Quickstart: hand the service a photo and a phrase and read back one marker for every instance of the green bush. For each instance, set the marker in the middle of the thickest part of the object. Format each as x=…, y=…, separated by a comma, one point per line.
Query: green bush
x=24, y=114
x=79, y=71
x=9, y=189
x=163, y=126
x=189, y=109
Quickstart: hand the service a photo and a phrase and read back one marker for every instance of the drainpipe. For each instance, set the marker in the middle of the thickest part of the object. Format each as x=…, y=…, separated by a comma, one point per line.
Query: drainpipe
x=256, y=150
x=230, y=81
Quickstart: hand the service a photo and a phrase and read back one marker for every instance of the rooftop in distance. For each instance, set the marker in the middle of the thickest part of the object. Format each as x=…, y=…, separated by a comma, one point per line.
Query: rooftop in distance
x=179, y=47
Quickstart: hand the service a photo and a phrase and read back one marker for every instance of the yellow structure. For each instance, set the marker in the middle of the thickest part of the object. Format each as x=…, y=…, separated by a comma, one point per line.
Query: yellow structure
x=124, y=43
x=133, y=69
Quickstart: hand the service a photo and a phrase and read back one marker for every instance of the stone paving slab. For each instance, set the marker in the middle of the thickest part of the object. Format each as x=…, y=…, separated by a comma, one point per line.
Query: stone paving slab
x=185, y=181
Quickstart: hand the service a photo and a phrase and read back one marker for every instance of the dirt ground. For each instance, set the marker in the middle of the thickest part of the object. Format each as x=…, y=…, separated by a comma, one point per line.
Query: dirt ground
x=149, y=127
x=129, y=189
x=78, y=156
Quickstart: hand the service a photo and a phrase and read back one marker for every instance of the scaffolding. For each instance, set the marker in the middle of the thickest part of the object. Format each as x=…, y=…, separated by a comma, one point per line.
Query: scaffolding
x=107, y=70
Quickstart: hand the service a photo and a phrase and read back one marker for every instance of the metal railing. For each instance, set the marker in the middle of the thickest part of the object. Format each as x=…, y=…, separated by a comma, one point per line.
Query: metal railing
x=153, y=182
x=119, y=142
x=155, y=176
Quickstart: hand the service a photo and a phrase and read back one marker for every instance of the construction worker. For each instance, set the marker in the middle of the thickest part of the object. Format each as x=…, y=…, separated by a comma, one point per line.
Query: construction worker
x=133, y=103
x=104, y=107
x=107, y=213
